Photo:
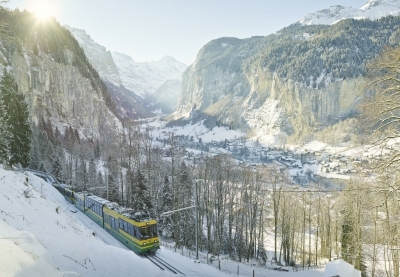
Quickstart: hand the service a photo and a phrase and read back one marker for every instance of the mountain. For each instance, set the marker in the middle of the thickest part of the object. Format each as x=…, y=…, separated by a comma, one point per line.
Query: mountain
x=374, y=9
x=52, y=71
x=128, y=104
x=165, y=99
x=145, y=78
x=294, y=83
x=132, y=83
x=99, y=57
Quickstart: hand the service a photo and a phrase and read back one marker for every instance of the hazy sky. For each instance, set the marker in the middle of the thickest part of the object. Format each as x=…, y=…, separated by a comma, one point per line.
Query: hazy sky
x=150, y=29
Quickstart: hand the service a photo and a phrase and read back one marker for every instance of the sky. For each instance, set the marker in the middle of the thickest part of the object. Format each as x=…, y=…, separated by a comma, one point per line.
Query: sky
x=148, y=30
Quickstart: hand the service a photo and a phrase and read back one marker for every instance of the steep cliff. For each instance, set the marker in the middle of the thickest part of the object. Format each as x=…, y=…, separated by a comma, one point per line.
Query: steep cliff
x=54, y=74
x=301, y=79
x=128, y=103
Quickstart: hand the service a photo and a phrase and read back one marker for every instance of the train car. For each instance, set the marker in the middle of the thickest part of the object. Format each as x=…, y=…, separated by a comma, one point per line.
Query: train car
x=134, y=229
x=69, y=194
x=94, y=208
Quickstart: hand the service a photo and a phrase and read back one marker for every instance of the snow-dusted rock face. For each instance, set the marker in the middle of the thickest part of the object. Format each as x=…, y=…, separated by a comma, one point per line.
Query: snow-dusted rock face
x=301, y=79
x=59, y=93
x=99, y=57
x=145, y=78
x=374, y=9
x=60, y=85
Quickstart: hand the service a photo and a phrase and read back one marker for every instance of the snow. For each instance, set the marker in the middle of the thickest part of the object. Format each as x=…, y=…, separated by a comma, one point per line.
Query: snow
x=374, y=9
x=197, y=130
x=42, y=235
x=146, y=77
x=341, y=268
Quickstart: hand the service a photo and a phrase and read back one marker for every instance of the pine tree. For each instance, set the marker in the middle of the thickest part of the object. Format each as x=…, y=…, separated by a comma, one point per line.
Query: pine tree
x=17, y=121
x=165, y=223
x=92, y=173
x=81, y=174
x=56, y=168
x=140, y=197
x=99, y=186
x=4, y=134
x=112, y=179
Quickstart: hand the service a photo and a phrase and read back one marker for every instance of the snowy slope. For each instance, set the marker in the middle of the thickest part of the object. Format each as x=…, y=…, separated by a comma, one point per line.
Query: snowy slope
x=374, y=9
x=42, y=235
x=146, y=77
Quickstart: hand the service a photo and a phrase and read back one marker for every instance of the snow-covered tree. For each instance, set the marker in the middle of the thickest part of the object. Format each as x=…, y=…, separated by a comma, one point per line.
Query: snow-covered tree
x=140, y=197
x=165, y=223
x=16, y=121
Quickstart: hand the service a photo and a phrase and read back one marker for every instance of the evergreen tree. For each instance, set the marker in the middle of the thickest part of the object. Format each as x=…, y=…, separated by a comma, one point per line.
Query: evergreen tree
x=140, y=197
x=99, y=186
x=92, y=173
x=17, y=121
x=112, y=179
x=165, y=223
x=45, y=152
x=57, y=166
x=4, y=134
x=81, y=174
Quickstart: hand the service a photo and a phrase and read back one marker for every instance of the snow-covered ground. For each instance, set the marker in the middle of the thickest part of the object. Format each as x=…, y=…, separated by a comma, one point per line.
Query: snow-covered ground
x=42, y=235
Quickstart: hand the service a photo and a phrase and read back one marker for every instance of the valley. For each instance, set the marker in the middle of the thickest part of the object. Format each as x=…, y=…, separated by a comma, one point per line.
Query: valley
x=285, y=143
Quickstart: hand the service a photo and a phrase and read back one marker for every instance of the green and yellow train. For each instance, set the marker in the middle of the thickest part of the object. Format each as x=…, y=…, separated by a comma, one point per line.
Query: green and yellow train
x=136, y=230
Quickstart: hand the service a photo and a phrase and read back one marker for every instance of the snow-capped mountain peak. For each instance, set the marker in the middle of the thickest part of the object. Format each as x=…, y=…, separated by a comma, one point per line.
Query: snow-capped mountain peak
x=146, y=77
x=98, y=56
x=374, y=9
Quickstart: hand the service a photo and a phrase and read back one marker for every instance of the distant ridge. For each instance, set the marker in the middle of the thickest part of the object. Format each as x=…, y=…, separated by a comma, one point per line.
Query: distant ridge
x=374, y=9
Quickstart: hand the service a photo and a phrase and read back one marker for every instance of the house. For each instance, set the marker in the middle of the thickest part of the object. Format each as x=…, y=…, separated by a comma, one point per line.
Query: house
x=340, y=268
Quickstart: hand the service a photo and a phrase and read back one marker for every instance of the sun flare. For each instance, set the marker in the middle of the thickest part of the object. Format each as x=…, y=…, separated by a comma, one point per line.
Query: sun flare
x=43, y=10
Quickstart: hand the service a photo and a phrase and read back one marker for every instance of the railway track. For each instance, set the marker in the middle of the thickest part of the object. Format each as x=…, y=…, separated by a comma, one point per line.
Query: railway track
x=162, y=264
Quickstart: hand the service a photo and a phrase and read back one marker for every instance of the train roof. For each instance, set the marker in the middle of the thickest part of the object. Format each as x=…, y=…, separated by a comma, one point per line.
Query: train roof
x=98, y=199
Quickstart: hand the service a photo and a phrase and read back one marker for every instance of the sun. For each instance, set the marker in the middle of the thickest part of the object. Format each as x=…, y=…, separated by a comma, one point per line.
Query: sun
x=43, y=9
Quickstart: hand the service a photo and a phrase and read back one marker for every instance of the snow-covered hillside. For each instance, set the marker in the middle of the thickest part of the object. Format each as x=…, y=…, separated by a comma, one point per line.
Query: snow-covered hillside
x=42, y=235
x=146, y=77
x=374, y=9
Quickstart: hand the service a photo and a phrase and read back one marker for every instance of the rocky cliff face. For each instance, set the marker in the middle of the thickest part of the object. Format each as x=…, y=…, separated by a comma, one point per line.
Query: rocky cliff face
x=302, y=79
x=99, y=57
x=52, y=71
x=60, y=93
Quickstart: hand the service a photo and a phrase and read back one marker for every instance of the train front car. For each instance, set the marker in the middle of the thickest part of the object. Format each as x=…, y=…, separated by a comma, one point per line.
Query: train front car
x=134, y=229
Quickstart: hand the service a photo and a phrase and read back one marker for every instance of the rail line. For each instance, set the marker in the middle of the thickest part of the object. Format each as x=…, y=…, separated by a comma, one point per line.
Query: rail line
x=162, y=264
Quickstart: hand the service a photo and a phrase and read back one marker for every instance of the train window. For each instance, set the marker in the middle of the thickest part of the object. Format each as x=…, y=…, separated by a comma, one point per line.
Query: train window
x=144, y=232
x=153, y=230
x=114, y=223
